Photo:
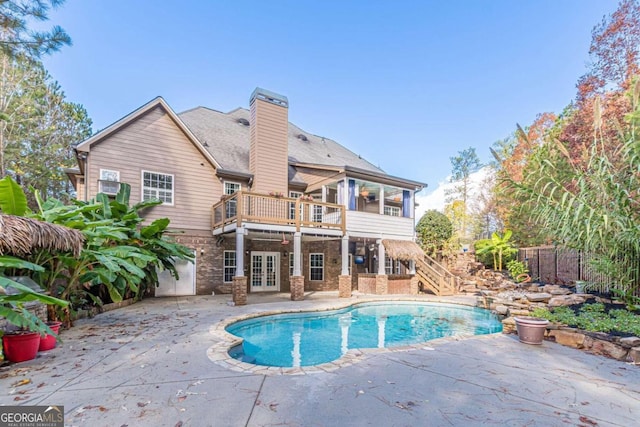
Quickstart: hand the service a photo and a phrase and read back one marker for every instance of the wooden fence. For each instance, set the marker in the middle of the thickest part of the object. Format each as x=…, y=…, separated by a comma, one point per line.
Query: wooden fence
x=562, y=266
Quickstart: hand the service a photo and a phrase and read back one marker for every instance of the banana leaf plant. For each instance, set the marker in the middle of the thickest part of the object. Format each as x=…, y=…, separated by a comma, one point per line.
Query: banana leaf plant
x=12, y=303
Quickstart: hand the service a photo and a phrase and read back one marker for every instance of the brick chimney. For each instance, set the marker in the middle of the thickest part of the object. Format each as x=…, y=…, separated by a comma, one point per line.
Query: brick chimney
x=269, y=149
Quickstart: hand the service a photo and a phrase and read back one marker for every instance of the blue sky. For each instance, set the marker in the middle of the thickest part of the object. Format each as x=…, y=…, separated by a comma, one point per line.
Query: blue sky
x=406, y=84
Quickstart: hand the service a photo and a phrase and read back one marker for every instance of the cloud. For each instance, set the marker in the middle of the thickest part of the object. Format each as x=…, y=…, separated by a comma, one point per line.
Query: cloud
x=436, y=198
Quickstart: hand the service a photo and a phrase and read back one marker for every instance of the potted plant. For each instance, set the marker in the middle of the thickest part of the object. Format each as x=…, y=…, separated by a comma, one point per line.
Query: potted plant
x=22, y=342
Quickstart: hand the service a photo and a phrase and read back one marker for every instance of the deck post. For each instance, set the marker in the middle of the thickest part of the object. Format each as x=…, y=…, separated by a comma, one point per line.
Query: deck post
x=239, y=290
x=297, y=248
x=240, y=252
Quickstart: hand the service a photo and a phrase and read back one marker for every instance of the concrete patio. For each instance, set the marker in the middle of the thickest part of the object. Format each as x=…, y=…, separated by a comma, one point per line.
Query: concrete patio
x=147, y=365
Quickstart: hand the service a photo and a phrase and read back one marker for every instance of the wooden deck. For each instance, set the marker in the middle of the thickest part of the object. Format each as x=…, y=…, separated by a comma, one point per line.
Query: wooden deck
x=245, y=207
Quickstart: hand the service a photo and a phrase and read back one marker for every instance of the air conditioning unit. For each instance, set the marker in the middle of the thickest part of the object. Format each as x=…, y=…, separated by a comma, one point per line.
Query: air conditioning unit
x=110, y=188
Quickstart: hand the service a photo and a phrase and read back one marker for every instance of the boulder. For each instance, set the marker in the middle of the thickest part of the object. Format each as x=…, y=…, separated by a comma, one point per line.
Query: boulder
x=568, y=338
x=538, y=297
x=560, y=300
x=605, y=348
x=634, y=355
x=555, y=290
x=502, y=309
x=630, y=341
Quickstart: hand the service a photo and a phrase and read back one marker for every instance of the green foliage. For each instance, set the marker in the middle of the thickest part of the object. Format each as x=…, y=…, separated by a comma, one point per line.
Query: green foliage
x=516, y=268
x=19, y=38
x=12, y=304
x=433, y=231
x=12, y=198
x=499, y=247
x=457, y=198
x=39, y=127
x=483, y=256
x=119, y=258
x=594, y=206
x=593, y=318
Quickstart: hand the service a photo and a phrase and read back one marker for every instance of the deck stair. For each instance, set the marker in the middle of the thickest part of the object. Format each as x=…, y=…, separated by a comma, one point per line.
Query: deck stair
x=435, y=277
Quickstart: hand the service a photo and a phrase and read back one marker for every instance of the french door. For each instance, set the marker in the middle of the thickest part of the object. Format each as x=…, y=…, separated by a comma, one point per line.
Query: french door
x=265, y=271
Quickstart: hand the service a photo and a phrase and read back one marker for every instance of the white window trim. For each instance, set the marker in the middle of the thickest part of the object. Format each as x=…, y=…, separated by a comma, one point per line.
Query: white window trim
x=173, y=185
x=224, y=187
x=291, y=261
x=393, y=211
x=311, y=266
x=102, y=178
x=224, y=267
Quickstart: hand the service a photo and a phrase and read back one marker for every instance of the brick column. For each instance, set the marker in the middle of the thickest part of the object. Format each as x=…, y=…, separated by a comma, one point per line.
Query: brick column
x=382, y=283
x=240, y=290
x=297, y=288
x=414, y=287
x=344, y=286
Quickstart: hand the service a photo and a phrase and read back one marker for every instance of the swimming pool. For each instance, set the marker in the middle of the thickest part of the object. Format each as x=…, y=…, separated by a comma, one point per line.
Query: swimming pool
x=312, y=338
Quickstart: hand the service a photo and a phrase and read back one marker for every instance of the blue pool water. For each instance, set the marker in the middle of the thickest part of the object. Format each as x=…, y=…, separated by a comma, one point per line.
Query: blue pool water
x=304, y=339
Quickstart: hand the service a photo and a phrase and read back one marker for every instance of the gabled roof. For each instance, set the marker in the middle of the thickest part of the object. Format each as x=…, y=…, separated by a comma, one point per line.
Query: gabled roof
x=126, y=120
x=226, y=137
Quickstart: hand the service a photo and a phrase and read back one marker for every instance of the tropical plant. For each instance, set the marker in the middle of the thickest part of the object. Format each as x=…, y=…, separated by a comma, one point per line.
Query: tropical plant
x=499, y=246
x=120, y=256
x=12, y=303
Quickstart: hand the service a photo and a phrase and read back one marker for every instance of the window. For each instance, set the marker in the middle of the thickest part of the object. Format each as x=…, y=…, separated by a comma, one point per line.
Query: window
x=157, y=185
x=350, y=263
x=290, y=263
x=229, y=266
x=231, y=187
x=316, y=266
x=317, y=213
x=391, y=266
x=109, y=182
x=231, y=205
x=292, y=205
x=392, y=210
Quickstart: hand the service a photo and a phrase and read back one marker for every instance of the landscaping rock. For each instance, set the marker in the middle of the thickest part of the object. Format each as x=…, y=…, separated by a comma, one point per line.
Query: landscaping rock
x=555, y=290
x=630, y=341
x=538, y=297
x=561, y=300
x=509, y=325
x=605, y=348
x=502, y=309
x=634, y=355
x=516, y=312
x=568, y=338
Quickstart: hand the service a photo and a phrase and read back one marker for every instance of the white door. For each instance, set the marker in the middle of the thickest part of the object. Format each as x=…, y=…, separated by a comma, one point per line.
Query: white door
x=186, y=285
x=265, y=271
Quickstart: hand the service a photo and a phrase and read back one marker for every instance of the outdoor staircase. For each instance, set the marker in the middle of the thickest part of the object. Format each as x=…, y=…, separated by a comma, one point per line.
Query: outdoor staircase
x=435, y=277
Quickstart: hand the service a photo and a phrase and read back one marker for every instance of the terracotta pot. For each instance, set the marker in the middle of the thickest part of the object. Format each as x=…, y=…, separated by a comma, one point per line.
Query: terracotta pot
x=531, y=329
x=21, y=347
x=47, y=342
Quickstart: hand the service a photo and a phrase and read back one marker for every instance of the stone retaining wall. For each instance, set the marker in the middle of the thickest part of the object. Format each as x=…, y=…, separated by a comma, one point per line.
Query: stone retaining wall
x=626, y=349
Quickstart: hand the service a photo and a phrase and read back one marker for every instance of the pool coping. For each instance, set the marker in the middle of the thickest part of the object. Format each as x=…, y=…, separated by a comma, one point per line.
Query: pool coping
x=218, y=352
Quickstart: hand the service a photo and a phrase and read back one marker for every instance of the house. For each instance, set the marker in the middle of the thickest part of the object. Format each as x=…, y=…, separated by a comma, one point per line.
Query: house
x=265, y=205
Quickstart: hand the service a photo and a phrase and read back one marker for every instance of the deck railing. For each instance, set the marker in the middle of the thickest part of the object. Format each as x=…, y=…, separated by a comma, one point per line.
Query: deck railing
x=242, y=207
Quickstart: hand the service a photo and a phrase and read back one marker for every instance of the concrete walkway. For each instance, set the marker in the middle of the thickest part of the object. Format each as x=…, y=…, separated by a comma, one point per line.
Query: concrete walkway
x=147, y=365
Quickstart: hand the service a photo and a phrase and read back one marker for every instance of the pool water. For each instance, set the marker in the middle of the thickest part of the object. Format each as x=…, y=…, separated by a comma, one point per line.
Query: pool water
x=305, y=339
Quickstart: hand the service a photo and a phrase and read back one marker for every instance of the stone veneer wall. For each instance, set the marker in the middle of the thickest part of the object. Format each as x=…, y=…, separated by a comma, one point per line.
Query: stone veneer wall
x=399, y=284
x=367, y=283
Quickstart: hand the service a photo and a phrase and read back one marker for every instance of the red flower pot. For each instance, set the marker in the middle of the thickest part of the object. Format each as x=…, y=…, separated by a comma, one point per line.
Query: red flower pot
x=47, y=342
x=21, y=347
